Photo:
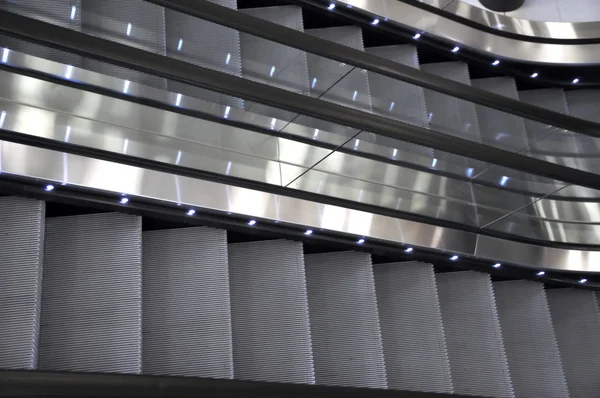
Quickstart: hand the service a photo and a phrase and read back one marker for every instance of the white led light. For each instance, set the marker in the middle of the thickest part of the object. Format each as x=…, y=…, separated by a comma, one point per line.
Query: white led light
x=416, y=36
x=226, y=114
x=360, y=241
x=308, y=232
x=583, y=280
x=455, y=49
x=454, y=258
x=228, y=59
x=541, y=273
x=575, y=81
x=434, y=162
x=470, y=171
x=252, y=222
x=392, y=106
x=67, y=133
x=314, y=82
x=126, y=86
x=375, y=21
x=191, y=212
x=331, y=6
x=496, y=63
x=124, y=201
x=272, y=72
x=534, y=75
x=178, y=100
x=5, y=55
x=2, y=117
x=73, y=11
x=128, y=29
x=408, y=250
x=69, y=71
x=179, y=45
x=394, y=152
x=49, y=188
x=354, y=95
x=504, y=180
x=497, y=265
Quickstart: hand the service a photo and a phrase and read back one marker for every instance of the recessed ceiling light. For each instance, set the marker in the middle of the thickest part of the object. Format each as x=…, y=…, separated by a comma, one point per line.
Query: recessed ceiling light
x=497, y=265
x=534, y=75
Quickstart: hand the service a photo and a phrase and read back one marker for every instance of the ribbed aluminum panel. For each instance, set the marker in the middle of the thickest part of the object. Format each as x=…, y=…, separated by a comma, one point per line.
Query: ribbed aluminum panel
x=344, y=320
x=576, y=321
x=414, y=343
x=450, y=114
x=206, y=44
x=272, y=63
x=21, y=252
x=473, y=337
x=56, y=12
x=269, y=312
x=91, y=294
x=135, y=23
x=396, y=99
x=186, y=316
x=531, y=348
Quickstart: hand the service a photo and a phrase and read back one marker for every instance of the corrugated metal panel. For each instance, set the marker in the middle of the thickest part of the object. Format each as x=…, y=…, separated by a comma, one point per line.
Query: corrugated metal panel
x=473, y=337
x=272, y=63
x=344, y=320
x=531, y=348
x=135, y=23
x=91, y=294
x=414, y=343
x=56, y=12
x=269, y=312
x=21, y=252
x=396, y=99
x=185, y=308
x=576, y=321
x=206, y=44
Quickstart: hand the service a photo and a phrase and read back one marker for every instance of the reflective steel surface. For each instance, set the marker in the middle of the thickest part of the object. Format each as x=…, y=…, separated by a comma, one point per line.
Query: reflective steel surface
x=394, y=11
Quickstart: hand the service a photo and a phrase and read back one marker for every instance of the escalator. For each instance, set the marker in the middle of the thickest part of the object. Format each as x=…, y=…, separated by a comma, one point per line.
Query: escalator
x=97, y=292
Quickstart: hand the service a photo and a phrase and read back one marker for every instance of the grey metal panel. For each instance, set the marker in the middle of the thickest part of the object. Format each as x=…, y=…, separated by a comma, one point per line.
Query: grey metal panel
x=21, y=252
x=57, y=12
x=576, y=320
x=272, y=63
x=414, y=343
x=112, y=20
x=91, y=297
x=206, y=44
x=529, y=340
x=344, y=320
x=269, y=312
x=584, y=104
x=473, y=336
x=186, y=317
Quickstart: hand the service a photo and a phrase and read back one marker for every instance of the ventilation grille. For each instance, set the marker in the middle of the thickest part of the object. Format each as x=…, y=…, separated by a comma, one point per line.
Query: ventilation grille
x=269, y=311
x=531, y=348
x=21, y=240
x=112, y=20
x=576, y=322
x=411, y=326
x=344, y=320
x=473, y=337
x=91, y=307
x=186, y=312
x=206, y=44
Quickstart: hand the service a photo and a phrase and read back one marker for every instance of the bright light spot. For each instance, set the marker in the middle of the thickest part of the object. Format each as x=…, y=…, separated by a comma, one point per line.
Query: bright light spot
x=583, y=280
x=470, y=172
x=504, y=180
x=314, y=82
x=455, y=49
x=178, y=158
x=496, y=63
x=356, y=143
x=125, y=145
x=354, y=95
x=454, y=258
x=392, y=106
x=535, y=75
x=69, y=71
x=126, y=86
x=2, y=117
x=191, y=212
x=128, y=29
x=273, y=121
x=541, y=273
x=124, y=201
x=394, y=152
x=360, y=241
x=178, y=100
x=179, y=44
x=228, y=169
x=308, y=232
x=67, y=133
x=331, y=6
x=575, y=81
x=5, y=55
x=49, y=188
x=408, y=250
x=272, y=71
x=375, y=21
x=73, y=12
x=497, y=265
x=252, y=222
x=434, y=162
x=315, y=134
x=416, y=36
x=226, y=114
x=228, y=59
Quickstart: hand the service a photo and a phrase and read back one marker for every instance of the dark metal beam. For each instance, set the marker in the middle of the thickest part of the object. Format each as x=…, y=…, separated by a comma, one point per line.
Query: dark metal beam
x=209, y=11
x=108, y=51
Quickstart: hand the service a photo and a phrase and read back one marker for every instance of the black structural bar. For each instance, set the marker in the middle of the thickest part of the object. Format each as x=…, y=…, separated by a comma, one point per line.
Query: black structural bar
x=130, y=57
x=28, y=384
x=209, y=11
